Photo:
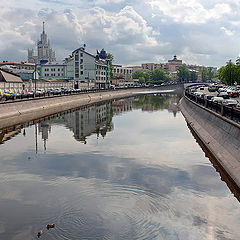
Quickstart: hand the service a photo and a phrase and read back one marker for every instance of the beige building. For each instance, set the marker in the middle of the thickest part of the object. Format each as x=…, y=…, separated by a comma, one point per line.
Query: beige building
x=173, y=64
x=151, y=66
x=122, y=76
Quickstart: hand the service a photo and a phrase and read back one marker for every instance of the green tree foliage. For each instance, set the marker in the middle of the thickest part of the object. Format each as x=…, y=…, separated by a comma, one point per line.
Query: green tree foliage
x=230, y=73
x=183, y=73
x=207, y=74
x=138, y=75
x=193, y=76
x=156, y=76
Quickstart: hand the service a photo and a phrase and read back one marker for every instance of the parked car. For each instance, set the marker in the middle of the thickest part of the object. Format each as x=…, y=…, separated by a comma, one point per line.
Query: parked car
x=212, y=89
x=30, y=93
x=217, y=99
x=50, y=91
x=222, y=90
x=208, y=97
x=230, y=103
x=233, y=93
x=8, y=95
x=39, y=93
x=57, y=91
x=224, y=95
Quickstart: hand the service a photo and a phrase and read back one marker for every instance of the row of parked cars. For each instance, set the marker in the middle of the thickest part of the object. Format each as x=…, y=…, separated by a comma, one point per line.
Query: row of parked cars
x=8, y=95
x=223, y=97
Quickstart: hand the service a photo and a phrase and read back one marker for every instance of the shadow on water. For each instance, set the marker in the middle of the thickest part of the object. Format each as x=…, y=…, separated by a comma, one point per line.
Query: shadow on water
x=223, y=174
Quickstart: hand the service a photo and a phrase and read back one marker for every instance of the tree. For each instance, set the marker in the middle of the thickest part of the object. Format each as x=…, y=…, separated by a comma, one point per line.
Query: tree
x=183, y=73
x=138, y=74
x=229, y=74
x=193, y=76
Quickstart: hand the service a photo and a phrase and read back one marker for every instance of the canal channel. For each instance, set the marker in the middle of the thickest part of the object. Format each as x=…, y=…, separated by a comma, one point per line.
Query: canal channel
x=124, y=169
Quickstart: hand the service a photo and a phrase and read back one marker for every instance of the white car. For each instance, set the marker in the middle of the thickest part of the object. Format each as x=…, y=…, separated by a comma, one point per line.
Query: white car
x=217, y=99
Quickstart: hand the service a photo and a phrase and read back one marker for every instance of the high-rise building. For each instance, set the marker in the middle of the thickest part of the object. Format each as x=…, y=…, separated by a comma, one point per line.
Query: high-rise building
x=44, y=50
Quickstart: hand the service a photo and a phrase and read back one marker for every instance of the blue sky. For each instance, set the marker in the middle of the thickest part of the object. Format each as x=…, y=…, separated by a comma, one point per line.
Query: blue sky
x=197, y=31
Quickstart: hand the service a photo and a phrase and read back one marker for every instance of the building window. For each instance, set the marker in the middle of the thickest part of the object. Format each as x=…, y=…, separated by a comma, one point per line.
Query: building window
x=59, y=69
x=76, y=57
x=76, y=64
x=81, y=60
x=59, y=74
x=76, y=75
x=81, y=54
x=81, y=66
x=81, y=72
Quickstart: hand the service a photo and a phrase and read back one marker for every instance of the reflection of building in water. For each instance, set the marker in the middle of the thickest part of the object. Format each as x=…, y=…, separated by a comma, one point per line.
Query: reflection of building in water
x=124, y=105
x=45, y=129
x=84, y=122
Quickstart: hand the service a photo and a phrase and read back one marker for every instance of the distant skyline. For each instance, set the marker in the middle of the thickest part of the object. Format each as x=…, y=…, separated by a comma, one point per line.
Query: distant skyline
x=198, y=31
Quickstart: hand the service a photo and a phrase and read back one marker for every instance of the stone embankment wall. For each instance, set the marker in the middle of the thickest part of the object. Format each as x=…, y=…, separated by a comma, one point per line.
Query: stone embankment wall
x=220, y=135
x=17, y=113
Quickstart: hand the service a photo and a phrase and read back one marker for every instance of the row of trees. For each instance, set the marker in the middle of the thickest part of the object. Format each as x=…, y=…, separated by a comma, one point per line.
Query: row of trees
x=230, y=74
x=187, y=75
x=184, y=74
x=156, y=76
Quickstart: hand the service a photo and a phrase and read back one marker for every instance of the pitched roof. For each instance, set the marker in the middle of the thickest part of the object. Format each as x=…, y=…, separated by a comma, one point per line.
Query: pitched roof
x=82, y=50
x=9, y=77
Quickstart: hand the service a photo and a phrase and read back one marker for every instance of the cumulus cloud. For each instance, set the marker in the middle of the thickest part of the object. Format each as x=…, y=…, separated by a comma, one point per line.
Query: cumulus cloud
x=134, y=32
x=189, y=11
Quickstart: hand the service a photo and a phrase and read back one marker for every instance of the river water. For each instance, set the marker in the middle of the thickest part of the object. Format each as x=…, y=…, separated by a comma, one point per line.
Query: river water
x=127, y=169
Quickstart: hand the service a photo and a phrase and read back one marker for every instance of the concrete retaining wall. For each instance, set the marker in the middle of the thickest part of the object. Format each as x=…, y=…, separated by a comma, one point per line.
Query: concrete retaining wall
x=220, y=135
x=20, y=112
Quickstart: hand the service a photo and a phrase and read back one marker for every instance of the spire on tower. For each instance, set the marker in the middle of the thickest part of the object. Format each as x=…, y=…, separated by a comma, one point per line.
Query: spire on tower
x=43, y=27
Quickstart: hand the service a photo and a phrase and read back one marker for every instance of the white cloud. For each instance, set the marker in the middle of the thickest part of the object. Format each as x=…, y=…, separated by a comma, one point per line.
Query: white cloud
x=227, y=31
x=189, y=11
x=134, y=32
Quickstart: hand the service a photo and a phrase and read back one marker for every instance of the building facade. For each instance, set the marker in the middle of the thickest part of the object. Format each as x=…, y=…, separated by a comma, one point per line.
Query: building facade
x=122, y=76
x=52, y=70
x=90, y=70
x=44, y=50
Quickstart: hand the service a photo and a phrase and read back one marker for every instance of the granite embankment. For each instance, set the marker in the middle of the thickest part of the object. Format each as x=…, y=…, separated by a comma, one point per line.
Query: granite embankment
x=20, y=112
x=220, y=135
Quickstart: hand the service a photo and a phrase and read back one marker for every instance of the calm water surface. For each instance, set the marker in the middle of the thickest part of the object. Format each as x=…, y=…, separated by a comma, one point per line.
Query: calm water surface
x=129, y=169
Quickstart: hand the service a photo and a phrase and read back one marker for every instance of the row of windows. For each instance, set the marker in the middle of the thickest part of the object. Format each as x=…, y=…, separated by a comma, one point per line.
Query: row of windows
x=53, y=74
x=100, y=73
x=124, y=71
x=101, y=67
x=100, y=78
x=53, y=69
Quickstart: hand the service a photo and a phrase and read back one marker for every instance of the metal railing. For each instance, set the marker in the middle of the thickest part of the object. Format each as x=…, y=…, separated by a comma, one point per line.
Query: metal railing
x=221, y=109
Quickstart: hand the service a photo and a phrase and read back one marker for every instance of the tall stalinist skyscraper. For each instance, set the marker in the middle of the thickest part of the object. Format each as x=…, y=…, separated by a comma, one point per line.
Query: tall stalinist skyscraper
x=45, y=52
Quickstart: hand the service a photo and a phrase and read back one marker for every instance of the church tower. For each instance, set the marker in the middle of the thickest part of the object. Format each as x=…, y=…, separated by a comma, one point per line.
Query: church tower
x=44, y=50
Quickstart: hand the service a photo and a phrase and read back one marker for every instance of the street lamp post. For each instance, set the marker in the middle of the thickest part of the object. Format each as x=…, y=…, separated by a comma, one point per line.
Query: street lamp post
x=35, y=76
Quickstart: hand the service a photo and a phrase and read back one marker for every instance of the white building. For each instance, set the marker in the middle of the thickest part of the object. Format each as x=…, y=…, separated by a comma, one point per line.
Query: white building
x=91, y=70
x=52, y=70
